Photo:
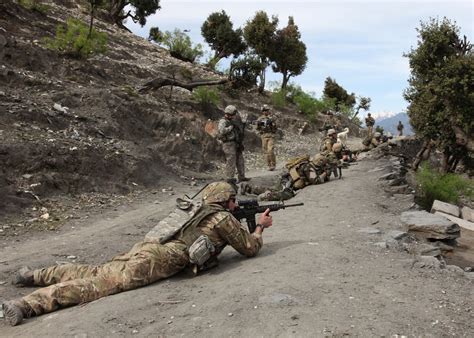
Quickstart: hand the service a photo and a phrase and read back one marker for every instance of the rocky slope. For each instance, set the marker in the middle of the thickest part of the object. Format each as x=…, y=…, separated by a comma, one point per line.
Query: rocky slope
x=79, y=130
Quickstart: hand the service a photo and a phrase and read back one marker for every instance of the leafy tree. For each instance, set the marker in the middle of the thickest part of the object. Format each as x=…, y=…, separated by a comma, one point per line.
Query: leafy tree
x=364, y=103
x=137, y=10
x=218, y=32
x=441, y=90
x=178, y=43
x=289, y=52
x=259, y=34
x=342, y=98
x=244, y=71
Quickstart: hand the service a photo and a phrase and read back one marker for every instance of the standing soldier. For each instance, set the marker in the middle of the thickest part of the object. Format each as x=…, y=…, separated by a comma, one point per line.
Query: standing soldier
x=199, y=240
x=267, y=128
x=230, y=131
x=400, y=128
x=369, y=122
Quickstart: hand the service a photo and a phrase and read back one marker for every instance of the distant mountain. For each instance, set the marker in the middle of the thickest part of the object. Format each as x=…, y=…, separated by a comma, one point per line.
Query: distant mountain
x=390, y=124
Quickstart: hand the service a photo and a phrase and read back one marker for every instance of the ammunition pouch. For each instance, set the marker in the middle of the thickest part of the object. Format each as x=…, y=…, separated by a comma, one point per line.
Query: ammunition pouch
x=201, y=250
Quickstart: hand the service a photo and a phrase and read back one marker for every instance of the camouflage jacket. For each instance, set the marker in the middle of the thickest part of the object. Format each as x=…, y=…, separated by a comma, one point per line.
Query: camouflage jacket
x=266, y=125
x=225, y=131
x=369, y=121
x=222, y=229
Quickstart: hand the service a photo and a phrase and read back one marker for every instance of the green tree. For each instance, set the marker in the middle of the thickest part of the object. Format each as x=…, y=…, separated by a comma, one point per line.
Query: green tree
x=218, y=32
x=333, y=90
x=137, y=10
x=441, y=90
x=245, y=70
x=259, y=34
x=178, y=43
x=289, y=52
x=364, y=103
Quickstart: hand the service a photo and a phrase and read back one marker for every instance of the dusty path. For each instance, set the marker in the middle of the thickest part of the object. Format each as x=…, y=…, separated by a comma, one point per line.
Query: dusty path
x=317, y=275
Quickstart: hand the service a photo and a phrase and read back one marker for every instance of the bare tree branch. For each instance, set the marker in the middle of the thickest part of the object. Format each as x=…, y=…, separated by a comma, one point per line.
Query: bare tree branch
x=162, y=82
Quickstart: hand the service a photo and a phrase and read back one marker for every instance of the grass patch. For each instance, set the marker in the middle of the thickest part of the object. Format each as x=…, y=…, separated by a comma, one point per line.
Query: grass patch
x=447, y=188
x=206, y=96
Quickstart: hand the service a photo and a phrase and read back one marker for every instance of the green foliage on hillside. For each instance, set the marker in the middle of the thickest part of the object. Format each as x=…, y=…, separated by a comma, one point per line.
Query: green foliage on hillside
x=447, y=188
x=34, y=5
x=441, y=89
x=77, y=40
x=206, y=96
x=178, y=43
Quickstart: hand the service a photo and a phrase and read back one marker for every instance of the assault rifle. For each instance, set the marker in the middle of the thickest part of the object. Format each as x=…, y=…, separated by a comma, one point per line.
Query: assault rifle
x=249, y=208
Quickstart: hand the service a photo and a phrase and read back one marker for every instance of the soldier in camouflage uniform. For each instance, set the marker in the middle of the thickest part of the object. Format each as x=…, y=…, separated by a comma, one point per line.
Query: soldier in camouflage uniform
x=231, y=131
x=199, y=240
x=376, y=140
x=369, y=122
x=267, y=128
x=329, y=140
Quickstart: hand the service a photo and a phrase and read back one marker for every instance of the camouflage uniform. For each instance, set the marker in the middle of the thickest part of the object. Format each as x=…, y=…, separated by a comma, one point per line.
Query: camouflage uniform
x=231, y=135
x=369, y=122
x=400, y=127
x=375, y=142
x=267, y=127
x=147, y=262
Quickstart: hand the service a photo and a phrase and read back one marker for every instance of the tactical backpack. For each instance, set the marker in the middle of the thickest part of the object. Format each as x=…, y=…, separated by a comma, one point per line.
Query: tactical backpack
x=302, y=172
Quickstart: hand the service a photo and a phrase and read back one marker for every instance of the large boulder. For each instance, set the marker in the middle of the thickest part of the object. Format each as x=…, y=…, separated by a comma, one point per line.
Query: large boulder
x=445, y=208
x=429, y=225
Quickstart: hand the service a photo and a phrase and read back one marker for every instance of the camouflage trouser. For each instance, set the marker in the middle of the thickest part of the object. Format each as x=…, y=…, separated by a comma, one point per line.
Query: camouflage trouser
x=267, y=145
x=72, y=284
x=369, y=130
x=234, y=159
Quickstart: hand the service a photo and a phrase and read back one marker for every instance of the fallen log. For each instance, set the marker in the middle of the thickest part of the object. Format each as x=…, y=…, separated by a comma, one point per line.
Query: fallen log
x=162, y=82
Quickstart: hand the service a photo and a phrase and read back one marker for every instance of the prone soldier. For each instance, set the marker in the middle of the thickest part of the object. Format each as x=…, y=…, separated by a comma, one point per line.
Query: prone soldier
x=196, y=242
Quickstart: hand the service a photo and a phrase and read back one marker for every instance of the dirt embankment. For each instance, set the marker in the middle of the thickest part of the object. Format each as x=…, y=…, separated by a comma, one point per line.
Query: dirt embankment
x=71, y=127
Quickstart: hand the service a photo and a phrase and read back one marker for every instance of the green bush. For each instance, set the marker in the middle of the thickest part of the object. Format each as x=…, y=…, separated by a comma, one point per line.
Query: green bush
x=178, y=43
x=74, y=40
x=34, y=5
x=206, y=96
x=447, y=188
x=278, y=98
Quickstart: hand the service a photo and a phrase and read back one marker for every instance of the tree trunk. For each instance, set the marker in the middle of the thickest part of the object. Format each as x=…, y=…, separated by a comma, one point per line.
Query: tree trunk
x=425, y=150
x=463, y=139
x=286, y=78
x=261, y=85
x=445, y=161
x=91, y=23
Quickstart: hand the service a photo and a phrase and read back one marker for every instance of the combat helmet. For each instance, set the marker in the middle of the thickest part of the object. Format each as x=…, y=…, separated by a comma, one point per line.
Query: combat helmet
x=331, y=131
x=265, y=107
x=230, y=110
x=377, y=134
x=218, y=192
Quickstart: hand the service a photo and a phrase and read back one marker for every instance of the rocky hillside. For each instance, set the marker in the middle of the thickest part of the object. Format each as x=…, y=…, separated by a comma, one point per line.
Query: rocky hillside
x=70, y=127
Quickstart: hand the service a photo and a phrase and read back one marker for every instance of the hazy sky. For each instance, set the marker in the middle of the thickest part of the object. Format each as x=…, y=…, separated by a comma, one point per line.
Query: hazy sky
x=360, y=44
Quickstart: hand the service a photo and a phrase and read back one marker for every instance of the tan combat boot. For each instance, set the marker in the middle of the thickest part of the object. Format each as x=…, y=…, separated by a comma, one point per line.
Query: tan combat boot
x=15, y=311
x=24, y=277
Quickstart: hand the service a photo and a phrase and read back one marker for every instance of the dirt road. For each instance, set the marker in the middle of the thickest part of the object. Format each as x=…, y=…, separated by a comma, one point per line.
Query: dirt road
x=320, y=273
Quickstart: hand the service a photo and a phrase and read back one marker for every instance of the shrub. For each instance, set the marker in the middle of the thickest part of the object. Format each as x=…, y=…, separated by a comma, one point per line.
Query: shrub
x=206, y=96
x=178, y=43
x=447, y=188
x=278, y=98
x=75, y=40
x=34, y=5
